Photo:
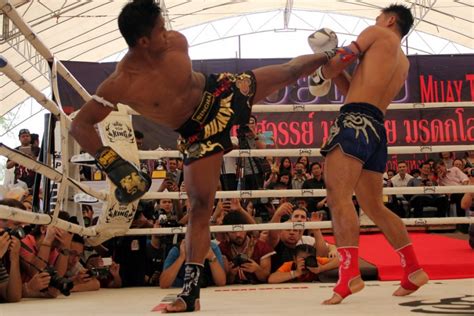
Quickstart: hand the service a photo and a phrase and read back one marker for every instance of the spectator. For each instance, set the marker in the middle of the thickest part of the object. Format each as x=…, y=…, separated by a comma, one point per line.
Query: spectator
x=316, y=182
x=156, y=252
x=285, y=165
x=248, y=259
x=467, y=204
x=305, y=161
x=459, y=163
x=299, y=177
x=419, y=201
x=452, y=176
x=469, y=158
x=22, y=173
x=174, y=173
x=87, y=214
x=173, y=268
x=83, y=281
x=110, y=275
x=10, y=276
x=253, y=174
x=229, y=169
x=283, y=178
x=401, y=180
x=447, y=157
x=302, y=268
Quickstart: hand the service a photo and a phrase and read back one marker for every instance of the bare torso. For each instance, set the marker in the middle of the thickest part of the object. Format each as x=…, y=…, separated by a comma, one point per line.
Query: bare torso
x=162, y=88
x=381, y=72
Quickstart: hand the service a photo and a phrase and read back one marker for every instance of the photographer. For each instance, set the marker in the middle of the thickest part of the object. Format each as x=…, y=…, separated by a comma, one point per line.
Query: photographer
x=173, y=268
x=252, y=167
x=305, y=267
x=10, y=277
x=248, y=259
x=108, y=276
x=299, y=177
x=82, y=278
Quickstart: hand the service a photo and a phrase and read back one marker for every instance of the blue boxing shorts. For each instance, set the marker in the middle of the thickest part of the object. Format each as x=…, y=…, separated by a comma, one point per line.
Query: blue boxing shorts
x=226, y=101
x=359, y=131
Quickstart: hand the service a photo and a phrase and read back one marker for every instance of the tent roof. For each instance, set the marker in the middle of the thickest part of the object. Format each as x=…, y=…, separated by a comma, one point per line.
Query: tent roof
x=87, y=30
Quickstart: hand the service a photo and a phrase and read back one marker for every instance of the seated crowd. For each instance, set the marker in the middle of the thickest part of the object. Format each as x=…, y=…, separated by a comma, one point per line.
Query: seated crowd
x=40, y=261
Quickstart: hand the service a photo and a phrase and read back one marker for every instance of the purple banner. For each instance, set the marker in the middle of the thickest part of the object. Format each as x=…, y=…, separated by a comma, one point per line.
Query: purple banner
x=441, y=78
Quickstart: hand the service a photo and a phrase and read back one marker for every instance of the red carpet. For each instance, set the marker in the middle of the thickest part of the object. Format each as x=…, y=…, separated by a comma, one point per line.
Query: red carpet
x=441, y=257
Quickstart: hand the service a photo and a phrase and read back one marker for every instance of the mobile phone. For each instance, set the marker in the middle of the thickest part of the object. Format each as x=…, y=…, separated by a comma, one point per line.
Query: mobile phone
x=267, y=136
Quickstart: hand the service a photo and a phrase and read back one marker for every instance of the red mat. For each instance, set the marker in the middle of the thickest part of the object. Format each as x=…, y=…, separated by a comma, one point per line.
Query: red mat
x=441, y=257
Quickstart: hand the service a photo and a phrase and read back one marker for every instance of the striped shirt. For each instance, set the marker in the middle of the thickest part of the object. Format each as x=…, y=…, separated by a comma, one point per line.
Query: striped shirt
x=3, y=273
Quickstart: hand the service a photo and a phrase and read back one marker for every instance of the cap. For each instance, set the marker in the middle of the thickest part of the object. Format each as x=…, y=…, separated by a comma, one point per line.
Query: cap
x=23, y=131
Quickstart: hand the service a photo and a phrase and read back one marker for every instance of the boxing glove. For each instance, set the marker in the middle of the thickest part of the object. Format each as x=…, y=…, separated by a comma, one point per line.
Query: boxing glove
x=317, y=84
x=131, y=183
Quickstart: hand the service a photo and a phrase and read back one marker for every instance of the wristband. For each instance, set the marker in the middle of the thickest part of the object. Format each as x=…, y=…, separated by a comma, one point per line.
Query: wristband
x=292, y=273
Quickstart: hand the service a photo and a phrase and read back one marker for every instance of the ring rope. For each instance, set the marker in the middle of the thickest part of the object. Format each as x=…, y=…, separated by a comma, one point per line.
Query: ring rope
x=87, y=159
x=15, y=214
x=312, y=192
x=295, y=225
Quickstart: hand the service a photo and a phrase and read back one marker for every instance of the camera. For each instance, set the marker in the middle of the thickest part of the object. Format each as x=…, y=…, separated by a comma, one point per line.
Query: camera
x=99, y=272
x=240, y=259
x=17, y=232
x=60, y=283
x=311, y=262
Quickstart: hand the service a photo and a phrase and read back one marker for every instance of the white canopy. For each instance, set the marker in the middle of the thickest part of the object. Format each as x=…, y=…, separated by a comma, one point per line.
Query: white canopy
x=87, y=30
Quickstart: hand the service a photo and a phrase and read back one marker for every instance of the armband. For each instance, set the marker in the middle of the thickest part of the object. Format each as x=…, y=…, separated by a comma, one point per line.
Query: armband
x=103, y=101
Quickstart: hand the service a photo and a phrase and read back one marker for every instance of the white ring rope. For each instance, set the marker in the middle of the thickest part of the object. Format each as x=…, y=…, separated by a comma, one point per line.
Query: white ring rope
x=47, y=171
x=87, y=159
x=18, y=215
x=15, y=214
x=250, y=194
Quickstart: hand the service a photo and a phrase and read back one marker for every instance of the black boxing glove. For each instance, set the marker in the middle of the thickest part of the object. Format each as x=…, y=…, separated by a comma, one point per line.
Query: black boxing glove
x=131, y=183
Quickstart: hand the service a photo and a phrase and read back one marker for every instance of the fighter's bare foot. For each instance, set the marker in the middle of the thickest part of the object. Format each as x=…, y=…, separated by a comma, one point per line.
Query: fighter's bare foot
x=355, y=285
x=414, y=282
x=180, y=306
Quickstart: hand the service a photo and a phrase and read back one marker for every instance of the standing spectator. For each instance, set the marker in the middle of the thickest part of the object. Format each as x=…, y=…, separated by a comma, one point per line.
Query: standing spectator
x=452, y=176
x=173, y=172
x=248, y=259
x=316, y=182
x=305, y=161
x=467, y=204
x=249, y=139
x=469, y=160
x=22, y=173
x=229, y=169
x=286, y=165
x=299, y=177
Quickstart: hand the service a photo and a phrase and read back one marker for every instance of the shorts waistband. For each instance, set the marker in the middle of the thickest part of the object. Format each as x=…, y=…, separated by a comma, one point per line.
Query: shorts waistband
x=195, y=122
x=364, y=108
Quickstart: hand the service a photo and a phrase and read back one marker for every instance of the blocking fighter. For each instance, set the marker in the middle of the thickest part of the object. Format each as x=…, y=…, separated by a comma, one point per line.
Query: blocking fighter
x=356, y=149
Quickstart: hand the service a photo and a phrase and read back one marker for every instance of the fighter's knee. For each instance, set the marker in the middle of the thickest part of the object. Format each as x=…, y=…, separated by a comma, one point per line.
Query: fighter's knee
x=200, y=203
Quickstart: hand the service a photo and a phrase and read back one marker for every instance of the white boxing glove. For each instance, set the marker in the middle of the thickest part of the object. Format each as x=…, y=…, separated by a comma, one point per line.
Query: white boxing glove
x=323, y=40
x=317, y=84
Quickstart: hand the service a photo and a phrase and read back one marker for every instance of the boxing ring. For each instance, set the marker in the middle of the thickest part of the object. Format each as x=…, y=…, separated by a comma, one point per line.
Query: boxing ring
x=449, y=297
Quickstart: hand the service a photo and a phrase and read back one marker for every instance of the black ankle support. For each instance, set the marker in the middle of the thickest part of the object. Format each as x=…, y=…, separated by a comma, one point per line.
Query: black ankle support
x=191, y=288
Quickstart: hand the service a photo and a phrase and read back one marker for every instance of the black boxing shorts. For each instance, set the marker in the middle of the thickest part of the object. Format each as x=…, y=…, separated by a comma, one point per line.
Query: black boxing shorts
x=226, y=101
x=359, y=131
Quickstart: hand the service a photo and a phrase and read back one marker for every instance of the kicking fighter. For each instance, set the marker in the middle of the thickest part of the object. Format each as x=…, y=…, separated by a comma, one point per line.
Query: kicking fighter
x=156, y=79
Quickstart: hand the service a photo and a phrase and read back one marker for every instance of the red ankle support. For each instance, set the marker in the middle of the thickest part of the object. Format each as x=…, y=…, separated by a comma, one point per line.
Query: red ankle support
x=348, y=269
x=408, y=259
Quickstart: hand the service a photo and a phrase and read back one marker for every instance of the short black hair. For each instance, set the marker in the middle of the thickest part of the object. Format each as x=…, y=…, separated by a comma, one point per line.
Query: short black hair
x=404, y=17
x=138, y=134
x=137, y=19
x=234, y=218
x=306, y=249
